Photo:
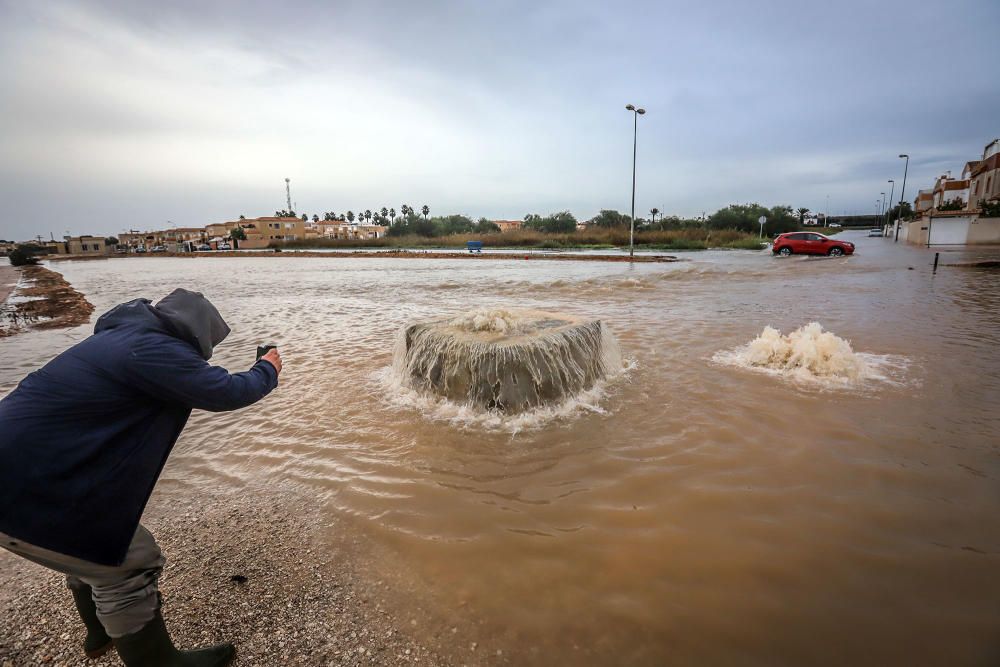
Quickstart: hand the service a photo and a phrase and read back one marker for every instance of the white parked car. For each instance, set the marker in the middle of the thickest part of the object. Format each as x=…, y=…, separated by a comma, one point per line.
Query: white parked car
x=224, y=246
x=834, y=224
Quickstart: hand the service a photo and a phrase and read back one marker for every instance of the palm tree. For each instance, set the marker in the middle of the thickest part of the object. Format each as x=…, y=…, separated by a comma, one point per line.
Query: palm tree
x=653, y=212
x=384, y=212
x=368, y=215
x=392, y=215
x=425, y=210
x=802, y=214
x=315, y=218
x=350, y=216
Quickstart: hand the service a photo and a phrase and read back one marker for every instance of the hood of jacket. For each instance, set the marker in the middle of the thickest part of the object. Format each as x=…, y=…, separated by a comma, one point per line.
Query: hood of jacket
x=185, y=314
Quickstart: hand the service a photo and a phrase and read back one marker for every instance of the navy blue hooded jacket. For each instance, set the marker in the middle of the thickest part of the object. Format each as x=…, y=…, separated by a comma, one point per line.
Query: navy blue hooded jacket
x=84, y=438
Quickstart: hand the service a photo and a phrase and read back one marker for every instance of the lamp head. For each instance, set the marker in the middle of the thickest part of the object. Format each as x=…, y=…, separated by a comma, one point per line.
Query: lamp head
x=630, y=107
x=640, y=111
x=890, y=181
x=904, y=155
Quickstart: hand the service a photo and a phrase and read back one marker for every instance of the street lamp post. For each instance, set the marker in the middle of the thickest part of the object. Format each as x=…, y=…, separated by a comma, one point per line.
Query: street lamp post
x=891, y=191
x=635, y=136
x=902, y=194
x=881, y=214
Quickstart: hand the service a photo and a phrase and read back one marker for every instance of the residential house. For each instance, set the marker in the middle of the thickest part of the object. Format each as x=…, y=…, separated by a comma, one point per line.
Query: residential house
x=508, y=225
x=984, y=177
x=370, y=231
x=338, y=229
x=222, y=229
x=262, y=232
x=924, y=201
x=177, y=236
x=947, y=190
x=966, y=225
x=87, y=245
x=332, y=229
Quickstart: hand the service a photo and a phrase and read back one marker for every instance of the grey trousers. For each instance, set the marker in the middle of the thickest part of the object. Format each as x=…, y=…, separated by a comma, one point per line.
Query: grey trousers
x=125, y=595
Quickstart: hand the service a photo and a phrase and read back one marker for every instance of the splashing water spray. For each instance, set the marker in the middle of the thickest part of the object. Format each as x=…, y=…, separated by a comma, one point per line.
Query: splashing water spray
x=506, y=361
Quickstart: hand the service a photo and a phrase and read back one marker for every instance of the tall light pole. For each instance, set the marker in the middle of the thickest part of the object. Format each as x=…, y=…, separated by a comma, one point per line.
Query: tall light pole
x=902, y=194
x=288, y=194
x=891, y=191
x=635, y=137
x=881, y=213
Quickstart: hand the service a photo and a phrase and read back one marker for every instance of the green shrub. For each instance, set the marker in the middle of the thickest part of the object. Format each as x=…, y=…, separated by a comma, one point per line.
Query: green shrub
x=21, y=257
x=990, y=209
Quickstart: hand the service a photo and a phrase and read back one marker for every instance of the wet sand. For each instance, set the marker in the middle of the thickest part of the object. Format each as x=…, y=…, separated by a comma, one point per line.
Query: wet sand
x=52, y=304
x=303, y=602
x=8, y=279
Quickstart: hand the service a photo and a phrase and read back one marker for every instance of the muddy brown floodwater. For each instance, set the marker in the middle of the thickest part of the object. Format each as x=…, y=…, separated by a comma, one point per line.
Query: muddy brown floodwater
x=694, y=510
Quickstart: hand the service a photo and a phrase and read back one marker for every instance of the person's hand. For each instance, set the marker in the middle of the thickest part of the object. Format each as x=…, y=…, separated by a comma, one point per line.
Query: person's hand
x=273, y=357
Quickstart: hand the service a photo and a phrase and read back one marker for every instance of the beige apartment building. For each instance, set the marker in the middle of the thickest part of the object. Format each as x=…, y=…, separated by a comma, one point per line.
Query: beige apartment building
x=87, y=245
x=221, y=228
x=261, y=232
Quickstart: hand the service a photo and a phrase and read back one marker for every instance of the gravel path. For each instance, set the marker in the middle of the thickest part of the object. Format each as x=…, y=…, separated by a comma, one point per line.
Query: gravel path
x=302, y=602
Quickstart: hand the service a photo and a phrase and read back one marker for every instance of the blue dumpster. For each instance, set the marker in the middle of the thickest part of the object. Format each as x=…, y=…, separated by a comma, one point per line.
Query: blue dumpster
x=474, y=246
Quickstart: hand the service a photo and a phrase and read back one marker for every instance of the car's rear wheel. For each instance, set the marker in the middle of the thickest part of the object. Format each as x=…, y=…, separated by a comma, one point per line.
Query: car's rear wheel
x=785, y=251
x=836, y=252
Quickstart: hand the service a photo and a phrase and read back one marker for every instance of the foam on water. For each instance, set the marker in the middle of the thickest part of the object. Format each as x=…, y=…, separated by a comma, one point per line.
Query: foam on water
x=464, y=416
x=813, y=356
x=489, y=320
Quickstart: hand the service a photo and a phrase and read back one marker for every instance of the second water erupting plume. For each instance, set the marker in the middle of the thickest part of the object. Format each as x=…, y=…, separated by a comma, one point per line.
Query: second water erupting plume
x=807, y=354
x=506, y=361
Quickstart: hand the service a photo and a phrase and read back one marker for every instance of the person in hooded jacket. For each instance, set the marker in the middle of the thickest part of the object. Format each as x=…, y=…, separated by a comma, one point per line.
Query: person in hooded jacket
x=82, y=443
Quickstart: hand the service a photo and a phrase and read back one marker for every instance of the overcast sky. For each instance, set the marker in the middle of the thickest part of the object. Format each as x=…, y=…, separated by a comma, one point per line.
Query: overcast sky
x=117, y=115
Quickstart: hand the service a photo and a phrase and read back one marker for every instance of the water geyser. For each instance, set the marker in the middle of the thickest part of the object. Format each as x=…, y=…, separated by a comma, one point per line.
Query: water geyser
x=507, y=361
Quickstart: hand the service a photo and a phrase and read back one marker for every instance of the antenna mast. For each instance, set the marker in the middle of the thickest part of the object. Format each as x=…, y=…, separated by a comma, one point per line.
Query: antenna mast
x=288, y=193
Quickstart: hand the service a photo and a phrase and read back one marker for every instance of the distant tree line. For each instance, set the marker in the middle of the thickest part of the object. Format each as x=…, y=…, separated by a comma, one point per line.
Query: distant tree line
x=410, y=221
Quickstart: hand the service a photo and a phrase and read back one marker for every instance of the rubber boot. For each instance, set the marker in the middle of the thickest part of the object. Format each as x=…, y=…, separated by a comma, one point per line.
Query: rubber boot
x=97, y=642
x=151, y=647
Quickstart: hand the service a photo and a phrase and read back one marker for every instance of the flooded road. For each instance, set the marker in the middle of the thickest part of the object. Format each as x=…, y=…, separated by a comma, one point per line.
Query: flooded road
x=690, y=512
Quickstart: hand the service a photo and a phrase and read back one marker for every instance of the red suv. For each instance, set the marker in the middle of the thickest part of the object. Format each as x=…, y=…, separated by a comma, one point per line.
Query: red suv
x=810, y=243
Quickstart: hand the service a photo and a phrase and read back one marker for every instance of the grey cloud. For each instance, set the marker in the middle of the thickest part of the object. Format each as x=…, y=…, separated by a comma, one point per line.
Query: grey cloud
x=124, y=114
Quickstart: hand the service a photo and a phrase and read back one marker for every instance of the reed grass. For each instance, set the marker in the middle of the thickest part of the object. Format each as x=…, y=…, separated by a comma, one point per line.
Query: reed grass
x=680, y=239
